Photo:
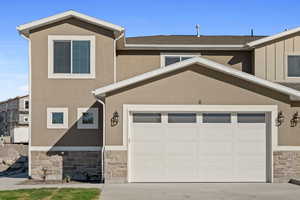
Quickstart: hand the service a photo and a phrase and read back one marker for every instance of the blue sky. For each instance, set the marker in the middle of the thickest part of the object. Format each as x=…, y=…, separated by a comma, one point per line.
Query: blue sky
x=139, y=18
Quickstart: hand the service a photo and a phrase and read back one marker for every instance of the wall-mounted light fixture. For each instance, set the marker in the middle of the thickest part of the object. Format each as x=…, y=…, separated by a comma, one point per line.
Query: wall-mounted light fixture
x=295, y=119
x=280, y=118
x=115, y=119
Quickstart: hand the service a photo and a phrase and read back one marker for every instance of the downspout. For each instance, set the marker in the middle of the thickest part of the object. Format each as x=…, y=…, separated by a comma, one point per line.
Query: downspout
x=30, y=104
x=103, y=137
x=115, y=56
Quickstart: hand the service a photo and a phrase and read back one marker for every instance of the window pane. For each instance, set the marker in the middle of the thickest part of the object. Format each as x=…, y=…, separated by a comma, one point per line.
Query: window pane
x=146, y=117
x=57, y=118
x=81, y=57
x=62, y=57
x=182, y=118
x=251, y=117
x=87, y=118
x=26, y=104
x=294, y=66
x=171, y=60
x=216, y=118
x=185, y=58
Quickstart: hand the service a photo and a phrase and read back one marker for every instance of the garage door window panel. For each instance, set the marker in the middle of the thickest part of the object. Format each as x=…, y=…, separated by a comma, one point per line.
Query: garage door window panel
x=182, y=118
x=216, y=118
x=251, y=118
x=146, y=118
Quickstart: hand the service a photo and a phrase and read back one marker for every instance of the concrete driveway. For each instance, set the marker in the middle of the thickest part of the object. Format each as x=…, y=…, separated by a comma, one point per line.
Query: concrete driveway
x=199, y=191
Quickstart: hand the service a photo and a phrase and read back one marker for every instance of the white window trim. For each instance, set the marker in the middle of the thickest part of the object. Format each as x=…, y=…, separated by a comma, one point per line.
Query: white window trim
x=80, y=125
x=49, y=118
x=166, y=54
x=52, y=38
x=287, y=77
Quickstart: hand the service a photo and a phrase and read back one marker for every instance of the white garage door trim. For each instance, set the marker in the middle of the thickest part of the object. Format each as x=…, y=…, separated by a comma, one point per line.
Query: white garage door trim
x=272, y=109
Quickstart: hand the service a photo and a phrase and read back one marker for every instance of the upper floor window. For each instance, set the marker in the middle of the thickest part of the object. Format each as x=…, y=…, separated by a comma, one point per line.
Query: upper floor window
x=26, y=104
x=293, y=65
x=71, y=56
x=169, y=59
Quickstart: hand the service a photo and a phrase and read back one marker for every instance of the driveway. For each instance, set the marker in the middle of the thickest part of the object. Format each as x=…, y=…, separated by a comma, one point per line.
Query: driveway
x=199, y=191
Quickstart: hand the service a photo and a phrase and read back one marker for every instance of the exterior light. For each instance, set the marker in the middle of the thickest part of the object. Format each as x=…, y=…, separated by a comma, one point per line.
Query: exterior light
x=280, y=118
x=115, y=119
x=295, y=119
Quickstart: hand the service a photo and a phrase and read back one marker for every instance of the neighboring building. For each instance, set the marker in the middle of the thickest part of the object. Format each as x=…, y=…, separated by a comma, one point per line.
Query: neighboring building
x=14, y=119
x=161, y=108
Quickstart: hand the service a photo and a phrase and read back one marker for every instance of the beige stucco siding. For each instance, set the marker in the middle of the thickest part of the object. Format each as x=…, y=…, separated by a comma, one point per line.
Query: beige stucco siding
x=271, y=58
x=194, y=85
x=132, y=63
x=69, y=93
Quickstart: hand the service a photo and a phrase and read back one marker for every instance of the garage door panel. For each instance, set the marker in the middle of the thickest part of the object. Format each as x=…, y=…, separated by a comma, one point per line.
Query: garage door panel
x=215, y=148
x=182, y=133
x=199, y=152
x=147, y=132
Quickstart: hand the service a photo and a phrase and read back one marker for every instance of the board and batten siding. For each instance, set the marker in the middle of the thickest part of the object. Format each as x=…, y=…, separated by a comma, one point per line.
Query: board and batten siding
x=271, y=58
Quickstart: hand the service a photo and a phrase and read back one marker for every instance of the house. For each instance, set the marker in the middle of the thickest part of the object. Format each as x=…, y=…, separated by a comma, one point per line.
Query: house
x=14, y=119
x=165, y=108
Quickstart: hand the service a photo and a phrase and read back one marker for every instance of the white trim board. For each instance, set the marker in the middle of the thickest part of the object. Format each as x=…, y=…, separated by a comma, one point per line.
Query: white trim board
x=273, y=37
x=183, y=47
x=65, y=148
x=201, y=62
x=25, y=28
x=271, y=109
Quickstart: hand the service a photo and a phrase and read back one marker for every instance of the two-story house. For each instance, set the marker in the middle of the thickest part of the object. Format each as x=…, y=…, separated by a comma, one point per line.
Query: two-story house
x=165, y=108
x=14, y=119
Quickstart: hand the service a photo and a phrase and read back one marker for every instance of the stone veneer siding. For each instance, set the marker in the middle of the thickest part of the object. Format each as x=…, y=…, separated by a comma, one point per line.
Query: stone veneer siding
x=79, y=165
x=115, y=166
x=286, y=166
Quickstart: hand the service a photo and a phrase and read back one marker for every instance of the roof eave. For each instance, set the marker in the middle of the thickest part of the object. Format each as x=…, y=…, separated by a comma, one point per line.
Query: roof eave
x=25, y=28
x=292, y=93
x=182, y=47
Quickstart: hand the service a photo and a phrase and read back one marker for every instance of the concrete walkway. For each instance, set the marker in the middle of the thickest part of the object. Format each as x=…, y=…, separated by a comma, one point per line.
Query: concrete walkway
x=201, y=191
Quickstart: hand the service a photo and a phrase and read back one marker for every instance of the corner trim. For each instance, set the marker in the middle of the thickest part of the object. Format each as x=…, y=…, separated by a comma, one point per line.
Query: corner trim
x=65, y=148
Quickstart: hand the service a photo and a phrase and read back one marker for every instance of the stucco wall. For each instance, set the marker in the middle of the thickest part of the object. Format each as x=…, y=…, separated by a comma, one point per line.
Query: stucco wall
x=190, y=86
x=132, y=63
x=70, y=93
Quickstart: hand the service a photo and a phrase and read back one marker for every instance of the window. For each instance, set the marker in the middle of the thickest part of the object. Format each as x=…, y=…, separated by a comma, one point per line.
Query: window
x=293, y=64
x=251, y=118
x=216, y=118
x=168, y=59
x=87, y=118
x=146, y=118
x=57, y=118
x=26, y=104
x=71, y=57
x=182, y=118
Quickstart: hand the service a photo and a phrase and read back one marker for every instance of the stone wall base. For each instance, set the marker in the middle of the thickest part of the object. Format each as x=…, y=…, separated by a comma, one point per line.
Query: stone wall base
x=286, y=166
x=115, y=166
x=55, y=165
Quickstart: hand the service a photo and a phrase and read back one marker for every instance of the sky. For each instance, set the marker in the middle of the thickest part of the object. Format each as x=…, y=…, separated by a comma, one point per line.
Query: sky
x=151, y=17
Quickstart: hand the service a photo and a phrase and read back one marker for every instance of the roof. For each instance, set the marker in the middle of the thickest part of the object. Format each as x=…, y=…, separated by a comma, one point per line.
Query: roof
x=273, y=37
x=14, y=98
x=202, y=62
x=25, y=28
x=193, y=39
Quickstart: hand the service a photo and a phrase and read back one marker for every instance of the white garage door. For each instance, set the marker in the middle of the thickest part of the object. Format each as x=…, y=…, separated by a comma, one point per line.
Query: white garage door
x=198, y=147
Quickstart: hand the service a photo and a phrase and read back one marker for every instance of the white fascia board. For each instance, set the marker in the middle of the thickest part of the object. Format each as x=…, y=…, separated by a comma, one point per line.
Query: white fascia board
x=66, y=15
x=183, y=47
x=295, y=94
x=273, y=37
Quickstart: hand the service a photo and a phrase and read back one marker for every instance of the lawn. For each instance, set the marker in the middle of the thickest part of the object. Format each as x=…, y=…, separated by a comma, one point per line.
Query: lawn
x=51, y=194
